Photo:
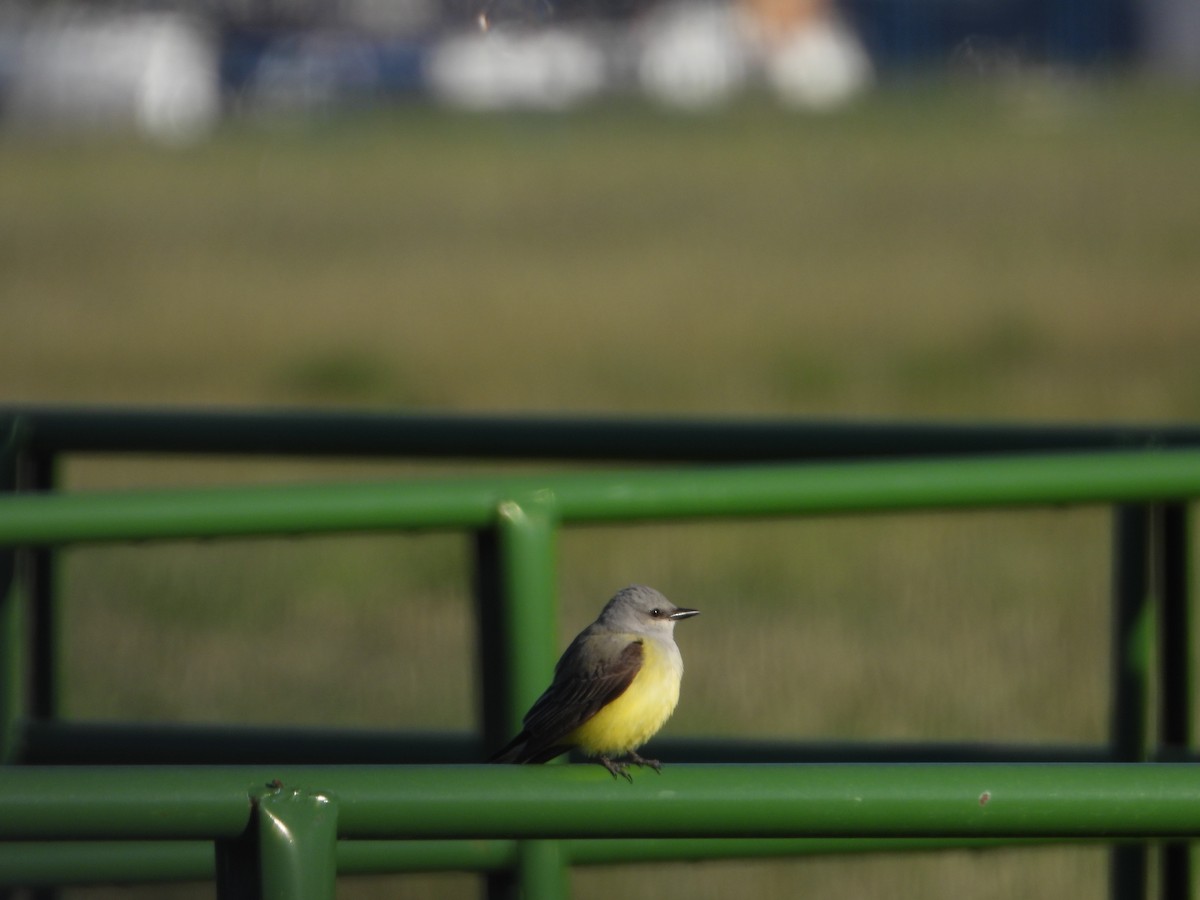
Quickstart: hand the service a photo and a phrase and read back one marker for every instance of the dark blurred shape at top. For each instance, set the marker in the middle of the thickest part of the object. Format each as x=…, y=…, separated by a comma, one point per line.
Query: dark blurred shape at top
x=1071, y=32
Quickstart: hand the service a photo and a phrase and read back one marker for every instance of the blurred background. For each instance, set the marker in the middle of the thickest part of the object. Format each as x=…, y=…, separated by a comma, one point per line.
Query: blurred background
x=175, y=69
x=959, y=210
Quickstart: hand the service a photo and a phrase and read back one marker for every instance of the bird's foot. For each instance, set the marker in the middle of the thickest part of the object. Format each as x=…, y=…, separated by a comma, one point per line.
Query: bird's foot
x=615, y=768
x=642, y=761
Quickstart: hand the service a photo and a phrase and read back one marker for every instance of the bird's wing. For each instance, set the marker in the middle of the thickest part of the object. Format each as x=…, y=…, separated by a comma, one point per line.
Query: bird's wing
x=591, y=674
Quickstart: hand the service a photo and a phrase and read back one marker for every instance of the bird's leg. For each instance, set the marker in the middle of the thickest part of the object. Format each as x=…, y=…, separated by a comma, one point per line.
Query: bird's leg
x=642, y=761
x=615, y=768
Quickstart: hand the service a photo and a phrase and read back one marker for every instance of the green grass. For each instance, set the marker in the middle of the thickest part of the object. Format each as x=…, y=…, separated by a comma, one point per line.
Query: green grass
x=1021, y=252
x=927, y=253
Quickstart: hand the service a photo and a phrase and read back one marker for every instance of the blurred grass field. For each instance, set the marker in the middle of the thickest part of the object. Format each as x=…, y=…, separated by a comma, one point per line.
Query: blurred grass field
x=1026, y=251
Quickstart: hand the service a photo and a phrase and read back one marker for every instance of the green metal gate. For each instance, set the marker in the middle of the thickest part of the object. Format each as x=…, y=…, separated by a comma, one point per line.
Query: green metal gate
x=284, y=826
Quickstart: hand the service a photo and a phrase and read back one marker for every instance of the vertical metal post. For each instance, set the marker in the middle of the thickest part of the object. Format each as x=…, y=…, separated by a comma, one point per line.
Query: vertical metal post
x=11, y=657
x=289, y=850
x=38, y=474
x=1172, y=577
x=515, y=592
x=491, y=649
x=528, y=580
x=515, y=589
x=1130, y=672
x=542, y=870
x=11, y=687
x=28, y=647
x=298, y=844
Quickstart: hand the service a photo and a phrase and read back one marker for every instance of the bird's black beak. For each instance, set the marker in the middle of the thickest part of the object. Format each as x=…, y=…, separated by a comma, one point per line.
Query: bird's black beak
x=682, y=613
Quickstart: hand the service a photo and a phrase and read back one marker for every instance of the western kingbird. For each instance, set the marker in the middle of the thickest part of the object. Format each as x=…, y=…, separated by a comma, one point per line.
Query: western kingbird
x=613, y=688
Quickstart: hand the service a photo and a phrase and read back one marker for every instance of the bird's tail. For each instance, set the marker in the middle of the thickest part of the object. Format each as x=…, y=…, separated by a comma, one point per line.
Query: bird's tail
x=523, y=749
x=511, y=752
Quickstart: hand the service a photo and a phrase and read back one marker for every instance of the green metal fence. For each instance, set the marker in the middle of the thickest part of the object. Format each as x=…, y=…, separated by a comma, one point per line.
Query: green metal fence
x=286, y=811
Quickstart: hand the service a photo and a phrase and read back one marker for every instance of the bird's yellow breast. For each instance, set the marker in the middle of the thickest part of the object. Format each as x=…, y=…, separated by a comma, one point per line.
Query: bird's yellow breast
x=634, y=717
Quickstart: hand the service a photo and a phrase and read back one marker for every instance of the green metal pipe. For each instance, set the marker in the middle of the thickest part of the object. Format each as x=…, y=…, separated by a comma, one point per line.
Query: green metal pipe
x=38, y=863
x=516, y=614
x=382, y=857
x=303, y=432
x=106, y=802
x=758, y=491
x=46, y=863
x=541, y=872
x=882, y=486
x=527, y=534
x=297, y=841
x=656, y=850
x=227, y=512
x=582, y=801
x=388, y=857
x=814, y=800
x=528, y=543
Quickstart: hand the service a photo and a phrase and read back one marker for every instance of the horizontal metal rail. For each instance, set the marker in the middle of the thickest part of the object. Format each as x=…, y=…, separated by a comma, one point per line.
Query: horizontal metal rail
x=38, y=863
x=1065, y=801
x=365, y=434
x=750, y=491
x=117, y=743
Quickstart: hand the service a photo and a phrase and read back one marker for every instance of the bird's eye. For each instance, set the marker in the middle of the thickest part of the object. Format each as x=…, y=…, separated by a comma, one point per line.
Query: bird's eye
x=656, y=613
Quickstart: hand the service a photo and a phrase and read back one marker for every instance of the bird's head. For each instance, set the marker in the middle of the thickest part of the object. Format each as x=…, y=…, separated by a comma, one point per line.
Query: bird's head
x=641, y=608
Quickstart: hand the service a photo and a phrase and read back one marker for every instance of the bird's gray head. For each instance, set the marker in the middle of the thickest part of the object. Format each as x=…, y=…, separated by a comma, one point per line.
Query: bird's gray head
x=641, y=608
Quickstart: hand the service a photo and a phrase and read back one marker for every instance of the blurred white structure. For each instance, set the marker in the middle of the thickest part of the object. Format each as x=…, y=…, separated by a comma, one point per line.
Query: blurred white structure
x=693, y=55
x=697, y=54
x=156, y=72
x=546, y=68
x=688, y=54
x=819, y=66
x=75, y=68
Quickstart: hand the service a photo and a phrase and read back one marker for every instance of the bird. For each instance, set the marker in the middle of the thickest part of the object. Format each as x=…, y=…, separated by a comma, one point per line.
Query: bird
x=614, y=687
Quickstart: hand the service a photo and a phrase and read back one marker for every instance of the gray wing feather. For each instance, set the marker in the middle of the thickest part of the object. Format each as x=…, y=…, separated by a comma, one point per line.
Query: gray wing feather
x=584, y=683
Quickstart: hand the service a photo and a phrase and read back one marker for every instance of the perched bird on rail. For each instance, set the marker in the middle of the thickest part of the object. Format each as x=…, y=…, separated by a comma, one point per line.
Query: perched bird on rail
x=613, y=688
